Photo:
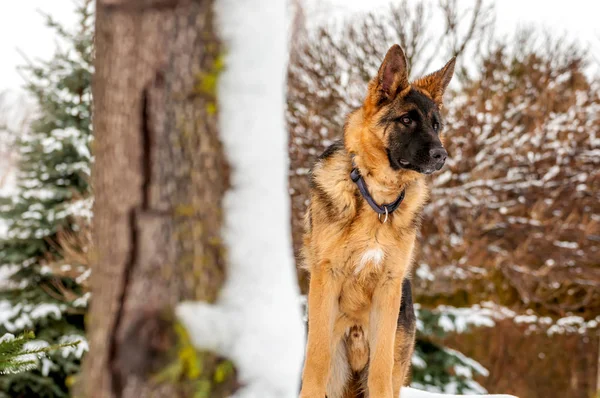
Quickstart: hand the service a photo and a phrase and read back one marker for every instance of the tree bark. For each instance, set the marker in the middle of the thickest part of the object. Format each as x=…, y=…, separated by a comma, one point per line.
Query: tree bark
x=159, y=177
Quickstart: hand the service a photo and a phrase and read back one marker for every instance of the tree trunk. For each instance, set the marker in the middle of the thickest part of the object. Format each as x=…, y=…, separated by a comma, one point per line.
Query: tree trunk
x=159, y=178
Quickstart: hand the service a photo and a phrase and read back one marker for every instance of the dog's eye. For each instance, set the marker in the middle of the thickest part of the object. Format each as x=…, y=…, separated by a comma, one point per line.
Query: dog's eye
x=405, y=120
x=436, y=126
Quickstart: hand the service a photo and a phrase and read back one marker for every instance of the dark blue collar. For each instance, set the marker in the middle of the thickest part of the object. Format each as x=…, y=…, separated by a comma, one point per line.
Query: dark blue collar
x=364, y=191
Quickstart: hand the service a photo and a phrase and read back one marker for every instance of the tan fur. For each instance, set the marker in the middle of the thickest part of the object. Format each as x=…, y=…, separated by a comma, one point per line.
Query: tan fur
x=357, y=349
x=431, y=83
x=340, y=371
x=354, y=306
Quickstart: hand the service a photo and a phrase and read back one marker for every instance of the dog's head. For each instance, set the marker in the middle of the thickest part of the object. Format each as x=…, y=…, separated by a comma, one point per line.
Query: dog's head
x=406, y=117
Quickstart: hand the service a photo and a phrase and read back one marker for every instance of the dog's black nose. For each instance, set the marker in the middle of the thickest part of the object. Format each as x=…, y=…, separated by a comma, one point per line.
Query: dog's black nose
x=438, y=154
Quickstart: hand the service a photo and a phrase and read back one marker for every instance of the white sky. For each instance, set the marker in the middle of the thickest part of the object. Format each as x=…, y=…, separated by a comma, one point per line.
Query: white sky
x=576, y=18
x=22, y=27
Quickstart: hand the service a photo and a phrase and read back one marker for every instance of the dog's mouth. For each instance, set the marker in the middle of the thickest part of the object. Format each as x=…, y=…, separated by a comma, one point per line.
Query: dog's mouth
x=398, y=163
x=423, y=169
x=428, y=168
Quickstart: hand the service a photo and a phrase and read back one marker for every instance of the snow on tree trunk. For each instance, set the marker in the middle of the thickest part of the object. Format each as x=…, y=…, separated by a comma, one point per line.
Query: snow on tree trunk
x=257, y=319
x=159, y=179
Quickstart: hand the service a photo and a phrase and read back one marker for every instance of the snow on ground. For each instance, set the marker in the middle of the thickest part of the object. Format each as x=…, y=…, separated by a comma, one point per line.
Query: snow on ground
x=257, y=320
x=412, y=393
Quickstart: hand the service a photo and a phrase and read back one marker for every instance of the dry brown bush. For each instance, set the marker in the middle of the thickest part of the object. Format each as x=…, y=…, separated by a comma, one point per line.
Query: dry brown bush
x=516, y=213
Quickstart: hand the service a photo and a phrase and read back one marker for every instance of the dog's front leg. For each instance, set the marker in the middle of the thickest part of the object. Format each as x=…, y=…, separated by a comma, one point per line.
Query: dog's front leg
x=382, y=334
x=323, y=294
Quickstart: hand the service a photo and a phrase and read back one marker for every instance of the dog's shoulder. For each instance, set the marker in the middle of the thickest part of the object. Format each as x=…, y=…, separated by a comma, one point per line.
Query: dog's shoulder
x=331, y=164
x=336, y=147
x=332, y=190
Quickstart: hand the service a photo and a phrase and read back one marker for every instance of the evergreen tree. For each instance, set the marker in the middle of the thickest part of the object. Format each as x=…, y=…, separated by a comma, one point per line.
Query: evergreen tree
x=52, y=178
x=440, y=369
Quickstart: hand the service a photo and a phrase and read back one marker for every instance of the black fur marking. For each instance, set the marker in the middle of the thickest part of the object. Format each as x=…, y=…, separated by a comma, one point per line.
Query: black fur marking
x=331, y=150
x=317, y=190
x=325, y=200
x=406, y=318
x=423, y=103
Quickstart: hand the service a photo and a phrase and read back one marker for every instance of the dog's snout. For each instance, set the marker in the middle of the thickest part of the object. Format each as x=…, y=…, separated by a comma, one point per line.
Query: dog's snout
x=438, y=154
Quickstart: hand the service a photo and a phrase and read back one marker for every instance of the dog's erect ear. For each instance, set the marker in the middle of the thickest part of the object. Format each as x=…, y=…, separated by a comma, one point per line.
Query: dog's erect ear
x=393, y=74
x=437, y=82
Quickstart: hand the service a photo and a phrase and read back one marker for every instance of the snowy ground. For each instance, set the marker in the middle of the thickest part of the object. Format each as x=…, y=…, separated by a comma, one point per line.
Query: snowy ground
x=412, y=393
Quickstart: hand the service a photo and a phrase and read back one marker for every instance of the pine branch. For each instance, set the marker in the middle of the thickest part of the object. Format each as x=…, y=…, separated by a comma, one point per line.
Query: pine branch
x=15, y=357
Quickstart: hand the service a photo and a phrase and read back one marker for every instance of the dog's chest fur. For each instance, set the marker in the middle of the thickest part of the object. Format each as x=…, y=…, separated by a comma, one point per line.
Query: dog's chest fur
x=370, y=259
x=345, y=236
x=364, y=257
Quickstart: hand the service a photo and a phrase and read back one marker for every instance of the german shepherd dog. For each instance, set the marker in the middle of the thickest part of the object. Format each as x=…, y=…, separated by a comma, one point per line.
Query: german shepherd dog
x=367, y=193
